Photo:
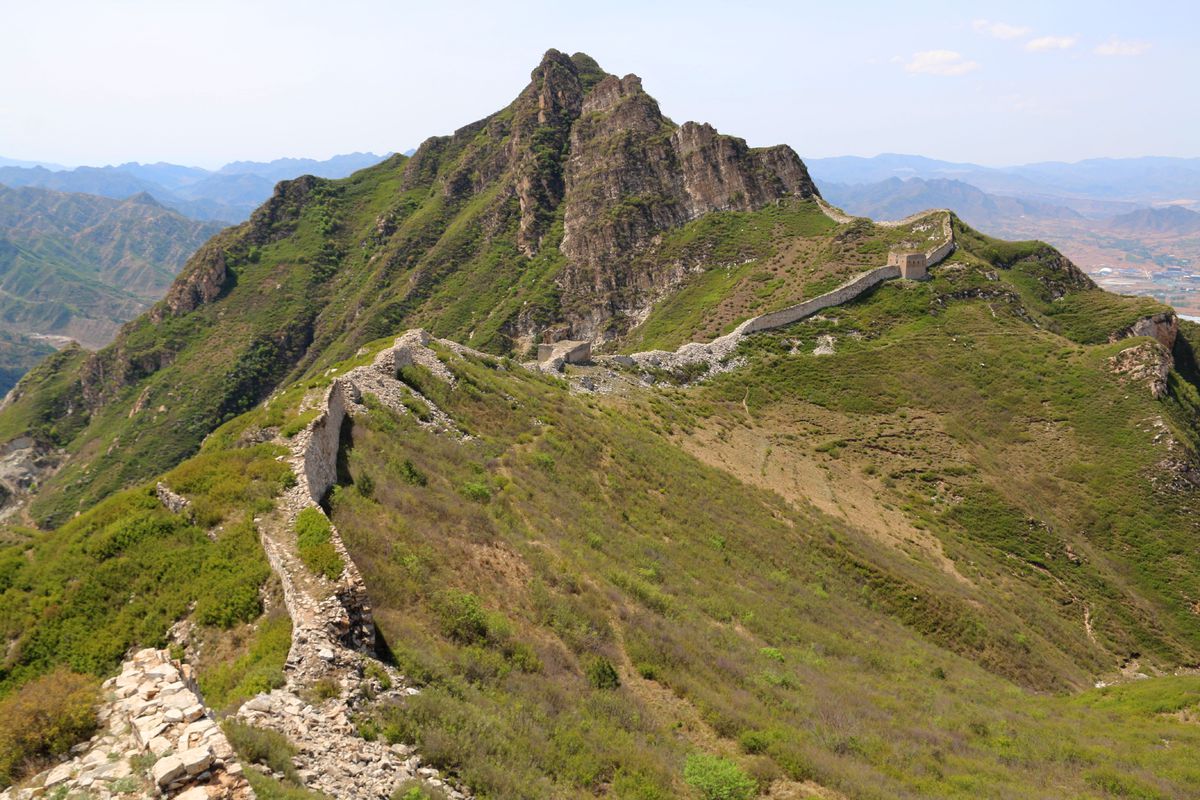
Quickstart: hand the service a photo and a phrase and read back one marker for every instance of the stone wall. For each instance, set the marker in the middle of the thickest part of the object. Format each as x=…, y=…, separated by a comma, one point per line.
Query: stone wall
x=716, y=354
x=319, y=446
x=842, y=294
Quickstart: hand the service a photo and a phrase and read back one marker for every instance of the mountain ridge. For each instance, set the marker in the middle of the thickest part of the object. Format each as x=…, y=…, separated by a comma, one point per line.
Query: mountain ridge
x=933, y=541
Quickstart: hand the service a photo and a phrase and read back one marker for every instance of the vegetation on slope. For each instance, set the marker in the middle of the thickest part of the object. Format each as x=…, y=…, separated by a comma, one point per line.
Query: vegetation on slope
x=738, y=624
x=78, y=265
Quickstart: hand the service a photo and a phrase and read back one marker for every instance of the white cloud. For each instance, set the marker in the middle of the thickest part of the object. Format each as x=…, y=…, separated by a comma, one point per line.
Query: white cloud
x=999, y=30
x=1120, y=47
x=1046, y=43
x=940, y=62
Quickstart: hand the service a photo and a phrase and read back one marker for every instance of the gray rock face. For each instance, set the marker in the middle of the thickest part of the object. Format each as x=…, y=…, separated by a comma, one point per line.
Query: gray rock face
x=632, y=174
x=1149, y=364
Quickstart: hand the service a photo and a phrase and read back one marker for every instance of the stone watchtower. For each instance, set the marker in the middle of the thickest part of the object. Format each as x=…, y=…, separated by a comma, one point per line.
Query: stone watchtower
x=913, y=266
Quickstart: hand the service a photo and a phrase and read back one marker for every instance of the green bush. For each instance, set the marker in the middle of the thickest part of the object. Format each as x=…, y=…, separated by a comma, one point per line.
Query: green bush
x=411, y=474
x=754, y=742
x=262, y=746
x=717, y=778
x=313, y=542
x=415, y=790
x=43, y=719
x=601, y=674
x=462, y=617
x=477, y=491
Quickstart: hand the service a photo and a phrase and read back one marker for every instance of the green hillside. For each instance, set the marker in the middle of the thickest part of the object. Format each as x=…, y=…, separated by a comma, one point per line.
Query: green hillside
x=77, y=266
x=934, y=542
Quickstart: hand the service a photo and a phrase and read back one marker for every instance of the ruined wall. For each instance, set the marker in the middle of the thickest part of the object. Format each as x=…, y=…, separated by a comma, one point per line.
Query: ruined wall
x=842, y=294
x=319, y=448
x=716, y=354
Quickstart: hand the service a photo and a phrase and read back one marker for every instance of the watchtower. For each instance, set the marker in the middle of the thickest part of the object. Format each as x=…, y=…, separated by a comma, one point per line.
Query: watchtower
x=912, y=266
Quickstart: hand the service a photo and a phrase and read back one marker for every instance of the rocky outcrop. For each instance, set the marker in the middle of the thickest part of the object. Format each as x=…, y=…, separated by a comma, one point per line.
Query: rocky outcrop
x=153, y=708
x=542, y=123
x=172, y=501
x=1149, y=364
x=632, y=174
x=1162, y=327
x=203, y=280
x=23, y=464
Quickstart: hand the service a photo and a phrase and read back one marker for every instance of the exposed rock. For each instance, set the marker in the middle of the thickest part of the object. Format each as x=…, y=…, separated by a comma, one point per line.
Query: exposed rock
x=1148, y=363
x=824, y=346
x=143, y=715
x=204, y=278
x=632, y=174
x=173, y=502
x=1164, y=327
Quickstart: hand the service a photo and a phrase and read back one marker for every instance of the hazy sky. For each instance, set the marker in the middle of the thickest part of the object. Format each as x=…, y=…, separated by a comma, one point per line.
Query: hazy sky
x=208, y=82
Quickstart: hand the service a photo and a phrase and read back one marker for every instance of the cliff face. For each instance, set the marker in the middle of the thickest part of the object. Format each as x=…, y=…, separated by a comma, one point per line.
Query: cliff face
x=632, y=174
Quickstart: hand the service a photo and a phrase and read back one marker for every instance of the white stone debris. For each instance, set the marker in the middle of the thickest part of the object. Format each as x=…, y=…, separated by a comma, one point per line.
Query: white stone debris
x=153, y=713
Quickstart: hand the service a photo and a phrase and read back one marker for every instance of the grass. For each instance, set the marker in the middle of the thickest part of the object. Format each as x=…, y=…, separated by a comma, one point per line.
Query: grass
x=813, y=651
x=122, y=573
x=315, y=546
x=258, y=669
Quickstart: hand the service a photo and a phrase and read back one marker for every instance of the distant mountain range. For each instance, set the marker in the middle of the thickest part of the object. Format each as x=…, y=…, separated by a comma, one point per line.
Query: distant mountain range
x=1142, y=181
x=77, y=266
x=225, y=195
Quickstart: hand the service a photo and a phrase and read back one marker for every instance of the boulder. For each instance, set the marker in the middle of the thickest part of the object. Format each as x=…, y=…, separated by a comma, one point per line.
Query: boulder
x=168, y=769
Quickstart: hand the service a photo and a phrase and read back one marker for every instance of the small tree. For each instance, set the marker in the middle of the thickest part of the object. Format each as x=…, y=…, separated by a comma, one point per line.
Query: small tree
x=718, y=778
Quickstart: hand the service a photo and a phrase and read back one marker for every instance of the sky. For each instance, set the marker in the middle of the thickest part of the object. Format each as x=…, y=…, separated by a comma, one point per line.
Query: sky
x=204, y=83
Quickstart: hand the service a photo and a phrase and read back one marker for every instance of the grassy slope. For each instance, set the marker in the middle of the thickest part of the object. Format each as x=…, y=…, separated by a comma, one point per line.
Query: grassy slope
x=737, y=621
x=740, y=618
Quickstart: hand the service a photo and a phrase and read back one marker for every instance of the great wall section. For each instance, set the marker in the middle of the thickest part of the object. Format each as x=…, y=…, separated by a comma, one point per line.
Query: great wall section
x=718, y=351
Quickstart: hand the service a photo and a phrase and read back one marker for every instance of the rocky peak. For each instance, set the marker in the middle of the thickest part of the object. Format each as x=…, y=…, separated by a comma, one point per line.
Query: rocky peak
x=542, y=119
x=632, y=174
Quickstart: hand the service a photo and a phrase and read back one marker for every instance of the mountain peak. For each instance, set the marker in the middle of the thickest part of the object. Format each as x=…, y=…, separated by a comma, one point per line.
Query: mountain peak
x=144, y=199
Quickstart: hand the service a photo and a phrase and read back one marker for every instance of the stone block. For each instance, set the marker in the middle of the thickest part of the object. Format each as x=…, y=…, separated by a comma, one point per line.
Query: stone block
x=196, y=760
x=167, y=769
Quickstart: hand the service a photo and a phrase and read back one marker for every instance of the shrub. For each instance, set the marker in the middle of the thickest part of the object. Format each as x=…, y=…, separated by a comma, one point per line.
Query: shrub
x=43, y=719
x=417, y=408
x=324, y=689
x=718, y=778
x=415, y=790
x=262, y=746
x=477, y=491
x=601, y=674
x=313, y=542
x=411, y=474
x=754, y=742
x=462, y=618
x=375, y=671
